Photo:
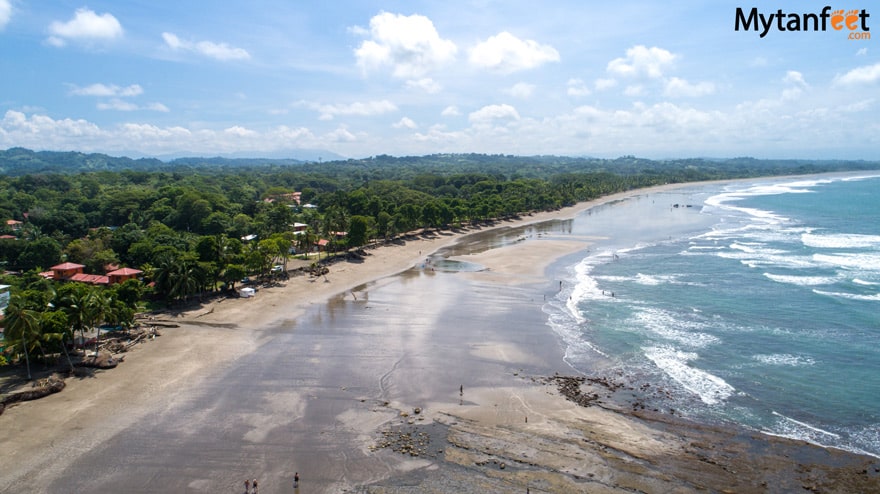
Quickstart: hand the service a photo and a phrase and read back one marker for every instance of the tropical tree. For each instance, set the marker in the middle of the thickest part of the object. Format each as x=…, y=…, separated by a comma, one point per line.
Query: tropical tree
x=22, y=329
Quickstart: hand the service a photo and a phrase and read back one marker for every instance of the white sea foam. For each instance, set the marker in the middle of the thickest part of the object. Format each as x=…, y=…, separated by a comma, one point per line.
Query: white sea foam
x=802, y=280
x=672, y=328
x=850, y=296
x=710, y=388
x=858, y=281
x=812, y=430
x=841, y=241
x=759, y=259
x=654, y=280
x=866, y=261
x=784, y=359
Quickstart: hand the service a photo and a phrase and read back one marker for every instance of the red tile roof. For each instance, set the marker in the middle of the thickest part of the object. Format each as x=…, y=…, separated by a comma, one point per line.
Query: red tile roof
x=66, y=266
x=125, y=272
x=94, y=279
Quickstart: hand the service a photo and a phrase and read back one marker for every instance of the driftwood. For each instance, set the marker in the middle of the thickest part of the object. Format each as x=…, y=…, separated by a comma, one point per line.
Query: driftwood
x=41, y=388
x=102, y=361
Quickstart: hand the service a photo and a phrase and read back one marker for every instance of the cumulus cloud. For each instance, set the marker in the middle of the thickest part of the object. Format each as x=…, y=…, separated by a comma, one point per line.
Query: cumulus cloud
x=794, y=77
x=868, y=74
x=43, y=132
x=603, y=84
x=85, y=25
x=520, y=90
x=577, y=87
x=410, y=45
x=107, y=90
x=362, y=109
x=490, y=114
x=641, y=61
x=425, y=84
x=210, y=49
x=676, y=88
x=450, y=111
x=506, y=53
x=5, y=13
x=405, y=123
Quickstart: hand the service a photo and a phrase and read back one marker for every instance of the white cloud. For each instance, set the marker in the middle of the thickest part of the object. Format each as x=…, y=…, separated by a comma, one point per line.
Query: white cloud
x=867, y=74
x=159, y=107
x=450, y=111
x=239, y=131
x=506, y=53
x=107, y=90
x=410, y=45
x=634, y=90
x=676, y=87
x=405, y=123
x=577, y=87
x=520, y=90
x=425, y=84
x=122, y=105
x=118, y=105
x=641, y=61
x=603, y=84
x=210, y=49
x=40, y=132
x=362, y=109
x=5, y=13
x=794, y=77
x=493, y=113
x=85, y=25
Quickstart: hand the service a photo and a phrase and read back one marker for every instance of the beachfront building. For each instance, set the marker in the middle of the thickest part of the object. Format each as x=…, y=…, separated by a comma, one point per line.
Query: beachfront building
x=70, y=271
x=123, y=274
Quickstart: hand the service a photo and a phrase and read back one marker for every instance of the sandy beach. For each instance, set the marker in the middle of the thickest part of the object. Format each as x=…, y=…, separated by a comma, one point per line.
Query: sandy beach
x=388, y=375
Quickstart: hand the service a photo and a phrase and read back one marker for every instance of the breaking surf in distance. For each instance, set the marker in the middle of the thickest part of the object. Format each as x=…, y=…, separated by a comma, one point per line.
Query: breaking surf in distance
x=756, y=305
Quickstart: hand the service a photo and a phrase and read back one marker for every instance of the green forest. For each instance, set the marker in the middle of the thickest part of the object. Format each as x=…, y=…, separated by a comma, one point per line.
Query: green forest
x=198, y=226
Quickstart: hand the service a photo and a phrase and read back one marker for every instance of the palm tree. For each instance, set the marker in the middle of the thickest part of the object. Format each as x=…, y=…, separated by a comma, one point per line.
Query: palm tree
x=74, y=303
x=95, y=306
x=22, y=328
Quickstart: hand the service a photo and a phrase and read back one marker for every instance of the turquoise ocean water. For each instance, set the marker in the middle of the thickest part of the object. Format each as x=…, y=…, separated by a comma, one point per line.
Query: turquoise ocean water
x=753, y=302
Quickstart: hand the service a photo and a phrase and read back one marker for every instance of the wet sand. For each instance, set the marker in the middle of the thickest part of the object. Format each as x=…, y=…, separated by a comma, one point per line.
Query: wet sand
x=317, y=376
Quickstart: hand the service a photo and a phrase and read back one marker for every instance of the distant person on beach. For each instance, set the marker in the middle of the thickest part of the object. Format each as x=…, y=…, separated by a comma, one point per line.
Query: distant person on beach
x=247, y=486
x=255, y=486
x=296, y=480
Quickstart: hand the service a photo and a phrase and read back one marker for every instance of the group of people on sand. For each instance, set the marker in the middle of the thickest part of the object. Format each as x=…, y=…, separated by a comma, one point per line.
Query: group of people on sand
x=252, y=486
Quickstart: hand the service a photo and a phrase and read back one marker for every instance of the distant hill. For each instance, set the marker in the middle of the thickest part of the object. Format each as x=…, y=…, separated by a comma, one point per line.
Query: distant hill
x=21, y=161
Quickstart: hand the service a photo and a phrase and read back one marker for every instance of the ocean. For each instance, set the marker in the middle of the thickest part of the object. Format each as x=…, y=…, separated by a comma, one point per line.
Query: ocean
x=753, y=302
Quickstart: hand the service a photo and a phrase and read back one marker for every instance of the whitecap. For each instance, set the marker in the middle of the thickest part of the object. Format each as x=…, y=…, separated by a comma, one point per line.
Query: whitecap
x=802, y=280
x=850, y=296
x=852, y=261
x=784, y=359
x=840, y=241
x=711, y=389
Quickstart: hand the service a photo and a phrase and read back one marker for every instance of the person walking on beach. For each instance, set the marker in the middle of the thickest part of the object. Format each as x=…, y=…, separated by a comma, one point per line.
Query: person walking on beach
x=247, y=486
x=255, y=486
x=296, y=480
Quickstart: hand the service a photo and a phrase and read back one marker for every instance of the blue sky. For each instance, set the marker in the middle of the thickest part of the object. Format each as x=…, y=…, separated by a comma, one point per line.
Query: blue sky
x=361, y=78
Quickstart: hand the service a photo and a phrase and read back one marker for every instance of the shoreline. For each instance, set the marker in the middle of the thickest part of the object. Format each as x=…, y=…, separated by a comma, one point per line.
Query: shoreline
x=56, y=430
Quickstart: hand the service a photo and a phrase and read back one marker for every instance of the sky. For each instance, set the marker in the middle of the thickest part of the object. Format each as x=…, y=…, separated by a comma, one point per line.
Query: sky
x=270, y=78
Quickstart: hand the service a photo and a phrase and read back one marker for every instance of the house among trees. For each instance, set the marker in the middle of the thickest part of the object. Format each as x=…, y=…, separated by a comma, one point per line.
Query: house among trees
x=14, y=225
x=70, y=271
